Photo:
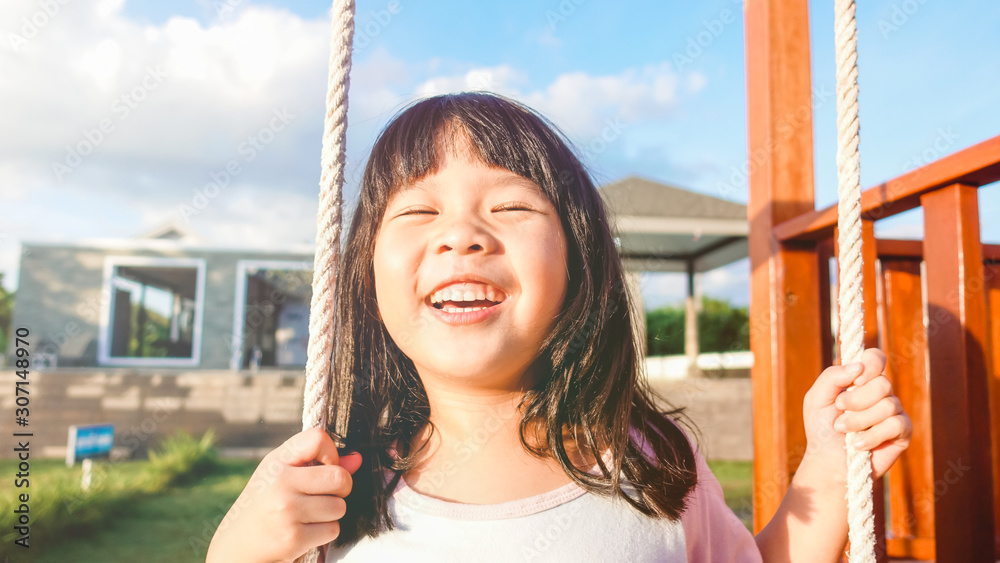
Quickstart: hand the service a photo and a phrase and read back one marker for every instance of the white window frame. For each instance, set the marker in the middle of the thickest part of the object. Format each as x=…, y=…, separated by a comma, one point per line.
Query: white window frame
x=240, y=304
x=107, y=310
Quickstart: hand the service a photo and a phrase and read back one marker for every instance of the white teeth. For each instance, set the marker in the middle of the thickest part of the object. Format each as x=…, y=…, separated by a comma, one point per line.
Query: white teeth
x=480, y=293
x=456, y=294
x=461, y=309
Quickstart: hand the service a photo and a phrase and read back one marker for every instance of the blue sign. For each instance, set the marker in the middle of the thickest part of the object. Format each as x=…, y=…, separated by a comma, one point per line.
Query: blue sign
x=89, y=441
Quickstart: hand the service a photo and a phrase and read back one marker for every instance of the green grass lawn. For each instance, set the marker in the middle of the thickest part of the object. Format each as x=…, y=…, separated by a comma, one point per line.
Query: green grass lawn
x=177, y=525
x=174, y=525
x=737, y=485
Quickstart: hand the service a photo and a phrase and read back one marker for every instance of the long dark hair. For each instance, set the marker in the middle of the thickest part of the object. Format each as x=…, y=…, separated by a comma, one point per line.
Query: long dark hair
x=589, y=362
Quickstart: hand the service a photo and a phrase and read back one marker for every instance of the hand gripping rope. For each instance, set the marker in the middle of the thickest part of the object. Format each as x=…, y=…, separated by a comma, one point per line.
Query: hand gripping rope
x=860, y=517
x=317, y=403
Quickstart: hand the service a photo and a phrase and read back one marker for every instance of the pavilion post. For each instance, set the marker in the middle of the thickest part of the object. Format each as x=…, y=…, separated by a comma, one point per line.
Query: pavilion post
x=634, y=281
x=691, y=324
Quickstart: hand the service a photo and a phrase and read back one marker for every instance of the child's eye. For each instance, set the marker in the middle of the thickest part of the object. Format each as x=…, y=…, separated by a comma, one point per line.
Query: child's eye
x=513, y=206
x=415, y=211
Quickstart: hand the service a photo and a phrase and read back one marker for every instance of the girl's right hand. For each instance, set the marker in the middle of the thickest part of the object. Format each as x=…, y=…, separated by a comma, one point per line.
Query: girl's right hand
x=292, y=502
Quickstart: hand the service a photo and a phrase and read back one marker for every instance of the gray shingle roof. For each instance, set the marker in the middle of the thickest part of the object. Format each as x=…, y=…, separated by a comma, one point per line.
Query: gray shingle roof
x=641, y=197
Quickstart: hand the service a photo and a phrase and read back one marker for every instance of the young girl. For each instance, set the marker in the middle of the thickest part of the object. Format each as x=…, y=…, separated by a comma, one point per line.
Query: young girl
x=498, y=413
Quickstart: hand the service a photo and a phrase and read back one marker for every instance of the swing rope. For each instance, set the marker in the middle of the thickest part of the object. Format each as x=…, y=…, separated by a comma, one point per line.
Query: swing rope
x=315, y=412
x=321, y=389
x=860, y=517
x=320, y=386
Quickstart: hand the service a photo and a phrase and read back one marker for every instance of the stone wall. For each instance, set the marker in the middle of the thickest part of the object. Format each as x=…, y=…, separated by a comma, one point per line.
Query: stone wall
x=252, y=414
x=721, y=410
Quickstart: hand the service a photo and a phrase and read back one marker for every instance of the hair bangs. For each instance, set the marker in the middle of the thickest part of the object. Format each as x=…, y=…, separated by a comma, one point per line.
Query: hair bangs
x=494, y=130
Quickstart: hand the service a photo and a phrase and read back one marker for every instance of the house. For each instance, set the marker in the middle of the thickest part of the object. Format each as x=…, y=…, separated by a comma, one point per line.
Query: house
x=164, y=300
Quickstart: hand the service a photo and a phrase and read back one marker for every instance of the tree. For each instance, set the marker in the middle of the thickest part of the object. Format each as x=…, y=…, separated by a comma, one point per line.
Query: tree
x=721, y=328
x=6, y=312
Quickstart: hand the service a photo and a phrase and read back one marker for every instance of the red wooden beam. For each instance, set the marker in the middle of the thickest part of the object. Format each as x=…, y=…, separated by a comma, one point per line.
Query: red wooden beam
x=785, y=334
x=914, y=250
x=992, y=274
x=959, y=354
x=977, y=165
x=911, y=478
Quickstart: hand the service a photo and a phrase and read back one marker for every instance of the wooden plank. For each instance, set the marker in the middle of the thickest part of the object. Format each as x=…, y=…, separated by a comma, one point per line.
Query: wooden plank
x=911, y=478
x=977, y=165
x=891, y=248
x=784, y=302
x=992, y=275
x=914, y=249
x=959, y=355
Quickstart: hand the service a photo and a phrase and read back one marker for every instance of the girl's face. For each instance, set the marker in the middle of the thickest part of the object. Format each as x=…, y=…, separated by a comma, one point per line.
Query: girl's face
x=474, y=238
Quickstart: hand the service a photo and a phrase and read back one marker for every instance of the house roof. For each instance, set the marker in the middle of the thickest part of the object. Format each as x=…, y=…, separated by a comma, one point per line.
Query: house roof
x=668, y=229
x=638, y=196
x=172, y=230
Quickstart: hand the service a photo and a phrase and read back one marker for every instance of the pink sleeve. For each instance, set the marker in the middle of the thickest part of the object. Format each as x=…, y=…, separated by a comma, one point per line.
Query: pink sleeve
x=712, y=531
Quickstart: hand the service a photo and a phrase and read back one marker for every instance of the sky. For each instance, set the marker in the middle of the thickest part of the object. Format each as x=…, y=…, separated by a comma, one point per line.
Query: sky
x=117, y=113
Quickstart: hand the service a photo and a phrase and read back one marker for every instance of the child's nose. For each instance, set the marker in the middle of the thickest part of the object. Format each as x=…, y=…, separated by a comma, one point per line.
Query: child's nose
x=464, y=238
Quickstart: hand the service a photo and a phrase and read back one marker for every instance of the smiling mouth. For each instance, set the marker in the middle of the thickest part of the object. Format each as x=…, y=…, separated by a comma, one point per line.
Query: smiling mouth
x=466, y=298
x=464, y=306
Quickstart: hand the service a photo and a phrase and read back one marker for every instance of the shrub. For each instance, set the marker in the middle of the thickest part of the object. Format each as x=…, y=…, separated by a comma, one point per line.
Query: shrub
x=182, y=458
x=59, y=507
x=721, y=328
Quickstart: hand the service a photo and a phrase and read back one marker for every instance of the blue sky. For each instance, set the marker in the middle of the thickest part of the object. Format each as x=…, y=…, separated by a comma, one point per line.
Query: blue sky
x=928, y=77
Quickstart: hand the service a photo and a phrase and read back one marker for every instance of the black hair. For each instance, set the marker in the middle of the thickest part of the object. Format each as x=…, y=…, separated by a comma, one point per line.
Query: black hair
x=590, y=359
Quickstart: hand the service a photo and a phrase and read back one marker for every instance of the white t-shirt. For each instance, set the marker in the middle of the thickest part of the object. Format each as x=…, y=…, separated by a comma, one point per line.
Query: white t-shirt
x=567, y=524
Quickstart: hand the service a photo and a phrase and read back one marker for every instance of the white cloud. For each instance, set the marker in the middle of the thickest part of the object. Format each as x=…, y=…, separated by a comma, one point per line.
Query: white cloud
x=578, y=102
x=177, y=101
x=501, y=79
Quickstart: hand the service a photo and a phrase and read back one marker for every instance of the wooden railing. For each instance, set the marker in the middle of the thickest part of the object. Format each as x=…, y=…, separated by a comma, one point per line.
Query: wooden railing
x=942, y=478
x=933, y=306
x=936, y=324
x=977, y=165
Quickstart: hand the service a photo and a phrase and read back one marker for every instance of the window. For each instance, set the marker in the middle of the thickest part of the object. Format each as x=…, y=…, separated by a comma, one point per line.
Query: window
x=152, y=311
x=271, y=320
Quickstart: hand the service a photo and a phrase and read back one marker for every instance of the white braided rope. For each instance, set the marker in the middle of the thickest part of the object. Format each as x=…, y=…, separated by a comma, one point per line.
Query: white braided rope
x=328, y=219
x=860, y=517
x=321, y=309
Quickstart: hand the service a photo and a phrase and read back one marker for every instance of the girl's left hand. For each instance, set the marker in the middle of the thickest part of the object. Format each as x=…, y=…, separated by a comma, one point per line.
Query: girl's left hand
x=870, y=409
